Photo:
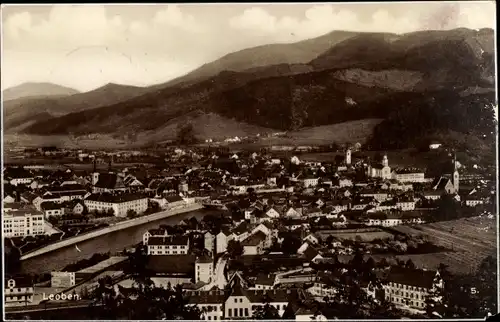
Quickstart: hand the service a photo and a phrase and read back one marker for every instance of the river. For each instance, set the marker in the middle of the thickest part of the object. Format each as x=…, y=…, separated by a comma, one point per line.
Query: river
x=113, y=242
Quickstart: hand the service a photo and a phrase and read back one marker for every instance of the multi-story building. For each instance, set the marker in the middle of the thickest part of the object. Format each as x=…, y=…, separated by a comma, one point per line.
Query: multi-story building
x=153, y=233
x=210, y=303
x=107, y=182
x=18, y=290
x=310, y=182
x=204, y=269
x=52, y=209
x=409, y=288
x=169, y=245
x=59, y=197
x=23, y=222
x=209, y=241
x=242, y=303
x=119, y=203
x=408, y=175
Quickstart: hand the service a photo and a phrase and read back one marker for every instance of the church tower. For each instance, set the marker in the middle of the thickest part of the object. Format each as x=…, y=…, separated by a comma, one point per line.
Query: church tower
x=95, y=174
x=348, y=156
x=385, y=161
x=456, y=177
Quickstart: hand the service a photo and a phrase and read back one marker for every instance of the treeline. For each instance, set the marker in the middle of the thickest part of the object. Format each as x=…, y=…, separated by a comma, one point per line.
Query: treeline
x=463, y=122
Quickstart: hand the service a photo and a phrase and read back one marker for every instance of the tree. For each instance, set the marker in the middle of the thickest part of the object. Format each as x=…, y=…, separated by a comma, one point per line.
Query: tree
x=234, y=249
x=486, y=285
x=185, y=134
x=409, y=264
x=266, y=311
x=131, y=213
x=288, y=314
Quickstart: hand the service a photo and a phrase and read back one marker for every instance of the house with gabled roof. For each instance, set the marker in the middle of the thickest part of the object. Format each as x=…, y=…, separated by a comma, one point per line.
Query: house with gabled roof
x=254, y=244
x=242, y=302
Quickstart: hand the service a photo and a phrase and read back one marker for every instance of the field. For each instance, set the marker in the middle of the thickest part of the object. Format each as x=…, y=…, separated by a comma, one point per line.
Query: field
x=366, y=235
x=207, y=126
x=470, y=239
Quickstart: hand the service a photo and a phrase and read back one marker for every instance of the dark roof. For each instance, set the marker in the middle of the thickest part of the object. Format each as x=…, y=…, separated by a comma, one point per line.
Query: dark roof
x=242, y=228
x=174, y=198
x=109, y=181
x=265, y=279
x=157, y=232
x=17, y=173
x=204, y=259
x=48, y=205
x=310, y=252
x=53, y=195
x=275, y=295
x=171, y=264
x=206, y=297
x=168, y=240
x=118, y=198
x=68, y=187
x=254, y=239
x=413, y=277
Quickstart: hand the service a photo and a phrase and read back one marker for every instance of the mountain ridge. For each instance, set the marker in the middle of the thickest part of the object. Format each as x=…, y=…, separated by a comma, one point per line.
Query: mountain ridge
x=351, y=80
x=36, y=89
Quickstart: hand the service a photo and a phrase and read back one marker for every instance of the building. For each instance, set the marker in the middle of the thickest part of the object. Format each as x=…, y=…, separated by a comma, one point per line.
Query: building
x=204, y=270
x=153, y=233
x=18, y=290
x=408, y=175
x=23, y=222
x=62, y=279
x=18, y=176
x=449, y=184
x=59, y=197
x=242, y=303
x=409, y=288
x=209, y=241
x=210, y=303
x=221, y=241
x=382, y=171
x=348, y=157
x=107, y=182
x=264, y=282
x=169, y=245
x=254, y=244
x=52, y=209
x=310, y=181
x=119, y=203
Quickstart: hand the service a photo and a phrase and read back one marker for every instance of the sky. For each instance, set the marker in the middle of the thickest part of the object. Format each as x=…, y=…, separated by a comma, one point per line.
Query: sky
x=87, y=46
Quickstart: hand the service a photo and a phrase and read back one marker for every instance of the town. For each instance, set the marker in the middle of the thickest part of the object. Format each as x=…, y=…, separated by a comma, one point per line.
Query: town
x=215, y=233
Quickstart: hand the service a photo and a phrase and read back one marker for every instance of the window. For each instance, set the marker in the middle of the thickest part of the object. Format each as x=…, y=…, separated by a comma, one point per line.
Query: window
x=209, y=317
x=241, y=300
x=246, y=312
x=235, y=300
x=235, y=312
x=229, y=312
x=241, y=312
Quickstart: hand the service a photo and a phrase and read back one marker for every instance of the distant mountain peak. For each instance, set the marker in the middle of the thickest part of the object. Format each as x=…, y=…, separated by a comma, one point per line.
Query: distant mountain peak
x=37, y=89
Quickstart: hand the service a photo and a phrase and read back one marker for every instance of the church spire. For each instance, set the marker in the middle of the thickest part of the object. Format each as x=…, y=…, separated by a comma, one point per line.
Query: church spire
x=109, y=163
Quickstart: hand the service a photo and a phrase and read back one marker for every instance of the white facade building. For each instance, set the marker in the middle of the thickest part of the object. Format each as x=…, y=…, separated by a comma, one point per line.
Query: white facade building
x=120, y=203
x=23, y=222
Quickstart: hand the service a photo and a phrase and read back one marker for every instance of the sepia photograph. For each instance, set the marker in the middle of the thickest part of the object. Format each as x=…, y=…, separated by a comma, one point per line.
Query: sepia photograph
x=253, y=161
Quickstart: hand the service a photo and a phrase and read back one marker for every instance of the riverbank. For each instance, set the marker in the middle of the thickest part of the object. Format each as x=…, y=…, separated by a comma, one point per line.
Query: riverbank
x=109, y=229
